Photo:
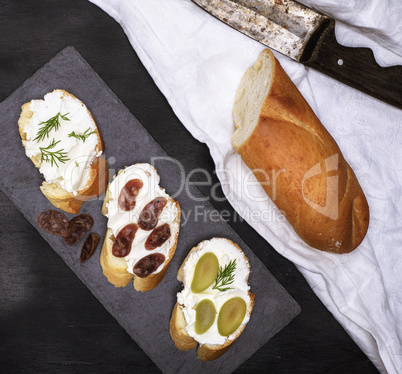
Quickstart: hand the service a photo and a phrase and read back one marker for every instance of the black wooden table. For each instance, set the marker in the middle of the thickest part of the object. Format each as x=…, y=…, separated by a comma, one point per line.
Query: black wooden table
x=49, y=321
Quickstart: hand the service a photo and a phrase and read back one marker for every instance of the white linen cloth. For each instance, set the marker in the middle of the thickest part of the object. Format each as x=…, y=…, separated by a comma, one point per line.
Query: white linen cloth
x=197, y=63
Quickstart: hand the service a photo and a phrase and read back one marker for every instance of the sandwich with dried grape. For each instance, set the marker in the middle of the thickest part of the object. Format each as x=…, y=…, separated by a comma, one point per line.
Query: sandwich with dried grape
x=142, y=229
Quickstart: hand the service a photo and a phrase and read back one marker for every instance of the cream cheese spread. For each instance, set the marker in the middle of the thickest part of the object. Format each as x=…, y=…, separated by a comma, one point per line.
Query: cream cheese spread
x=118, y=218
x=225, y=251
x=73, y=174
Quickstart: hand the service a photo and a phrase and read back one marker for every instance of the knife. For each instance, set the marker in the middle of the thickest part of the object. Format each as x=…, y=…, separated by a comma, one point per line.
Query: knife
x=308, y=37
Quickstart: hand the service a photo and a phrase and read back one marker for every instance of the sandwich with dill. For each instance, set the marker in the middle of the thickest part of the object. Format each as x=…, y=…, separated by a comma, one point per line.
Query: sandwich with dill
x=215, y=304
x=63, y=141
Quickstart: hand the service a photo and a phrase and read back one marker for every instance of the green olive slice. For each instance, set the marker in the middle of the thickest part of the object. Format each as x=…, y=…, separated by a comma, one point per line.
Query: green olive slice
x=204, y=316
x=205, y=272
x=231, y=316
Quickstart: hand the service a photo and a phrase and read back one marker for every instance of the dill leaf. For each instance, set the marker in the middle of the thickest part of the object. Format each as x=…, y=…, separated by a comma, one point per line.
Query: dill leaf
x=225, y=277
x=53, y=156
x=83, y=136
x=49, y=125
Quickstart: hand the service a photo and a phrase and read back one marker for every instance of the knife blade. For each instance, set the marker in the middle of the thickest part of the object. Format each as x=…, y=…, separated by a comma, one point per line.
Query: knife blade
x=308, y=36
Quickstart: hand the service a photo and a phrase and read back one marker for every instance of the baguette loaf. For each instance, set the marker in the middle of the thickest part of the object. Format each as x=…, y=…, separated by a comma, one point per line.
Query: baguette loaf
x=297, y=162
x=68, y=153
x=121, y=268
x=183, y=323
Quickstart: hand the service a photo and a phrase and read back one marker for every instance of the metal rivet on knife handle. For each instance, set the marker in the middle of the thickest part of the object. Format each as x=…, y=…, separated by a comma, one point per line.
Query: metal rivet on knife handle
x=355, y=67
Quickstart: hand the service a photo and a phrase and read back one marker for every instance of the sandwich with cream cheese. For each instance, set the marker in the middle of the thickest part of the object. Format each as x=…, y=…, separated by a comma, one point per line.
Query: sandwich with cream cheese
x=215, y=304
x=142, y=229
x=61, y=138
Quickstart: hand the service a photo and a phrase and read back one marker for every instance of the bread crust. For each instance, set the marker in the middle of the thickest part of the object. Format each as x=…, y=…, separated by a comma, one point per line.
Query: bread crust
x=98, y=175
x=177, y=330
x=314, y=186
x=177, y=324
x=115, y=269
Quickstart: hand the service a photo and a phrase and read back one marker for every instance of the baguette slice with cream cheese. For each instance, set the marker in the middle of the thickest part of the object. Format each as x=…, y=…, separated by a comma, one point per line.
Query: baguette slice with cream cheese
x=120, y=270
x=182, y=327
x=69, y=153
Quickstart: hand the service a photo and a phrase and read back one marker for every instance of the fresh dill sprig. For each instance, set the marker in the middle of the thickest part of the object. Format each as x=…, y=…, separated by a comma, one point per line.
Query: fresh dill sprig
x=225, y=277
x=53, y=156
x=49, y=125
x=83, y=136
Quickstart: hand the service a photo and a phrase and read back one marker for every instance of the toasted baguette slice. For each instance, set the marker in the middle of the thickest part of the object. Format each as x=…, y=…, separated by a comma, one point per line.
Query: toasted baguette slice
x=278, y=136
x=177, y=329
x=116, y=268
x=178, y=326
x=96, y=170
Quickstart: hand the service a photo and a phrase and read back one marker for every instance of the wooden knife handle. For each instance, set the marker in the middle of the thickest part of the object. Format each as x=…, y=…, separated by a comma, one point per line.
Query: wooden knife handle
x=355, y=67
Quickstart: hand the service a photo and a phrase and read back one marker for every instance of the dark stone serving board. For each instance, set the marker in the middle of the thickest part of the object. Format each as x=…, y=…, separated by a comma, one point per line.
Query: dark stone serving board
x=145, y=316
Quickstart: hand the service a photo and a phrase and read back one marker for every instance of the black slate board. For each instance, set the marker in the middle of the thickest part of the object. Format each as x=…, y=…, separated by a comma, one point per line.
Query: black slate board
x=145, y=316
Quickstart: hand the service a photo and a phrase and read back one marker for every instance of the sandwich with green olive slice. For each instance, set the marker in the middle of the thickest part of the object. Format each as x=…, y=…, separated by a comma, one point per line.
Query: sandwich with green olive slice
x=215, y=304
